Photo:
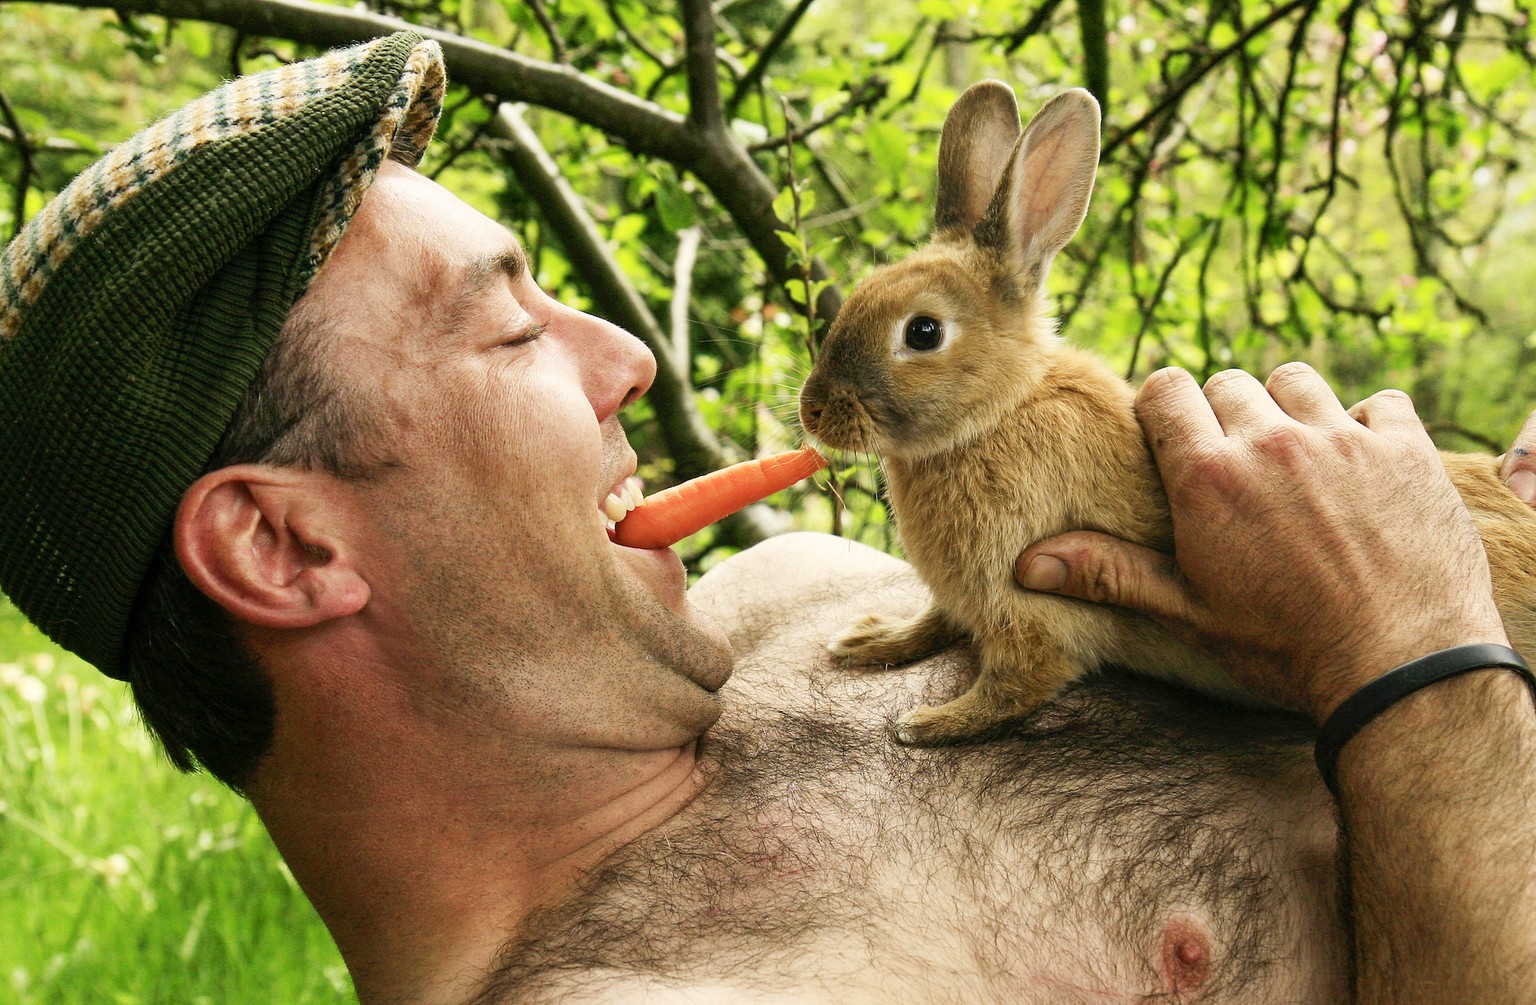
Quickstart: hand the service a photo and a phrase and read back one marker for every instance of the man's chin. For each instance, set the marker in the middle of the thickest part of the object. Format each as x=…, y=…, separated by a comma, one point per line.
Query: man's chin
x=659, y=571
x=713, y=661
x=665, y=622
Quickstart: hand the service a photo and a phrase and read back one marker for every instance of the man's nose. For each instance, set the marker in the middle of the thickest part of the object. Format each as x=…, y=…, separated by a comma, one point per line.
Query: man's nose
x=616, y=366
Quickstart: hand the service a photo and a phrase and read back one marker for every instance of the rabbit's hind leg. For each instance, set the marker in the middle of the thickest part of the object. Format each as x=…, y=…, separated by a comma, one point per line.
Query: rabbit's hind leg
x=879, y=641
x=1017, y=676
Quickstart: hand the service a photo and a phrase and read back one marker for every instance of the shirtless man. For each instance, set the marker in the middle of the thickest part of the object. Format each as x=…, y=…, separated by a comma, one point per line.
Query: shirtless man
x=511, y=761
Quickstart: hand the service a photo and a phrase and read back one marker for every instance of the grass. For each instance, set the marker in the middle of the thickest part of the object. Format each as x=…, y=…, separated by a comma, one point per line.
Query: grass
x=121, y=880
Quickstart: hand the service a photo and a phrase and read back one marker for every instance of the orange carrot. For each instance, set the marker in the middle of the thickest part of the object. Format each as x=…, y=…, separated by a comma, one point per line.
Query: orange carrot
x=672, y=514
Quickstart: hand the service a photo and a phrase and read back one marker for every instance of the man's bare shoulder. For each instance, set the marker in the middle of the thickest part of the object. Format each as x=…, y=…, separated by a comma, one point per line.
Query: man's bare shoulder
x=791, y=566
x=804, y=577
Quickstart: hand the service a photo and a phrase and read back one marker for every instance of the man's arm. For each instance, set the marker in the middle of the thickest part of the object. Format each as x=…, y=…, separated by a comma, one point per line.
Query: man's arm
x=1318, y=549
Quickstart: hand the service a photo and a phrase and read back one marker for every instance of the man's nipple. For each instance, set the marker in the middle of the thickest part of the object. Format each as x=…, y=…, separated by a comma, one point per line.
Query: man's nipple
x=1185, y=958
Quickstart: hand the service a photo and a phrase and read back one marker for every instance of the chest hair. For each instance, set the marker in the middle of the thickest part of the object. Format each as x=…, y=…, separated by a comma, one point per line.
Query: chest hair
x=823, y=849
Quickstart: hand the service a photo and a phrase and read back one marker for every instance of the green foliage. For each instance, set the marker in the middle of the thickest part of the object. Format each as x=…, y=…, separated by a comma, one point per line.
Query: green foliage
x=122, y=881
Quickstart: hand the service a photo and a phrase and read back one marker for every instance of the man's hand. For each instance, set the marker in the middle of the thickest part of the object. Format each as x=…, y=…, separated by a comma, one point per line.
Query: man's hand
x=1317, y=548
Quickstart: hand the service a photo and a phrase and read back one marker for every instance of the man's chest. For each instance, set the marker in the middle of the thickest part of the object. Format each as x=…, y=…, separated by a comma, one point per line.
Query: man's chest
x=1081, y=860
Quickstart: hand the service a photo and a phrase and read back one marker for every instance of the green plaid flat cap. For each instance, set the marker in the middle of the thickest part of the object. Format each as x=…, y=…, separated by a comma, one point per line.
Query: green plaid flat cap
x=138, y=306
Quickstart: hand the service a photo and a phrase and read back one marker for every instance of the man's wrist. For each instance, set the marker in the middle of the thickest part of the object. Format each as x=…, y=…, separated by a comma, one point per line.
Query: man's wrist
x=1443, y=732
x=1342, y=671
x=1378, y=696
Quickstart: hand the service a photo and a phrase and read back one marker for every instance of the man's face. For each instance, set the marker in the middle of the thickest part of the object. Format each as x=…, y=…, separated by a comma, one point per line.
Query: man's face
x=495, y=590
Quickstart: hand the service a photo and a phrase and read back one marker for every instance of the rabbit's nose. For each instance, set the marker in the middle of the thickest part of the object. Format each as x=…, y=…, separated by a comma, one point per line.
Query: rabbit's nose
x=811, y=414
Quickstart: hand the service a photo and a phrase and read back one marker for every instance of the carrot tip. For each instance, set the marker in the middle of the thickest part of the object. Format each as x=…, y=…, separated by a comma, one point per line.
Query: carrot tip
x=672, y=514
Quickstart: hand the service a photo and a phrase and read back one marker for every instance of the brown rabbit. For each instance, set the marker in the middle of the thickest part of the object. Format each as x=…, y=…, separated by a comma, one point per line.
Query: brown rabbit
x=994, y=434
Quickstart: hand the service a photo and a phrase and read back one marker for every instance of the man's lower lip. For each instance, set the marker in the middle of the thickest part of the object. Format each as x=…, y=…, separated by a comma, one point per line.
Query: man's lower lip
x=613, y=537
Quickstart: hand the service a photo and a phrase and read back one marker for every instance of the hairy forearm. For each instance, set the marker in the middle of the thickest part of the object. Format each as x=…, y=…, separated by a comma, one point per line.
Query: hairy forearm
x=1437, y=798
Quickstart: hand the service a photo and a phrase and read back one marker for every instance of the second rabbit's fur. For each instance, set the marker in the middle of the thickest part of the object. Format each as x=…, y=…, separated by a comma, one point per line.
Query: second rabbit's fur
x=994, y=434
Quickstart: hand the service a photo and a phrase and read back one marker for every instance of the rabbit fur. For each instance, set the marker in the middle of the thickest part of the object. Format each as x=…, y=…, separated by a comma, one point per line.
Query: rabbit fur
x=993, y=433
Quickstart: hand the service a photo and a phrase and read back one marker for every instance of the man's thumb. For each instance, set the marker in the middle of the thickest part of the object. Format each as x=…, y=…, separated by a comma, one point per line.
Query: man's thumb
x=1106, y=570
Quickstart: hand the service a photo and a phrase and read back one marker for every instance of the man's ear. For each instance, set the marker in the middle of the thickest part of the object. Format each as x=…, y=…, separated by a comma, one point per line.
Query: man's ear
x=263, y=543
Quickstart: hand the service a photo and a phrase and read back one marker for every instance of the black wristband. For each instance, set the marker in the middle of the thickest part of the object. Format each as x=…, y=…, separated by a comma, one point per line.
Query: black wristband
x=1394, y=685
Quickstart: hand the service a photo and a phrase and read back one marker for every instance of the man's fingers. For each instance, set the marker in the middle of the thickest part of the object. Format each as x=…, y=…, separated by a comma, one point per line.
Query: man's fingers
x=1519, y=469
x=1389, y=412
x=1305, y=395
x=1240, y=402
x=1107, y=570
x=1175, y=415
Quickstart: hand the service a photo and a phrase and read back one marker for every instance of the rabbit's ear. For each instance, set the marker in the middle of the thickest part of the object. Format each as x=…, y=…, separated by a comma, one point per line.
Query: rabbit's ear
x=1044, y=196
x=979, y=133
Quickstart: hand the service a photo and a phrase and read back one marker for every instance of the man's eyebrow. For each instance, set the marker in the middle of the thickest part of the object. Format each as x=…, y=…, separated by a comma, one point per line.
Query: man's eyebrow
x=508, y=264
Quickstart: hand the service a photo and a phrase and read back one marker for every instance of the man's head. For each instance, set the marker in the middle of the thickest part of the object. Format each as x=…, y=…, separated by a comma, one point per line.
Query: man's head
x=466, y=554
x=407, y=478
x=138, y=315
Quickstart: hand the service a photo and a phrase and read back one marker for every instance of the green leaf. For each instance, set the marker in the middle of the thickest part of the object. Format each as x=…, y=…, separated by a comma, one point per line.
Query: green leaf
x=784, y=206
x=889, y=147
x=794, y=242
x=674, y=204
x=626, y=228
x=807, y=202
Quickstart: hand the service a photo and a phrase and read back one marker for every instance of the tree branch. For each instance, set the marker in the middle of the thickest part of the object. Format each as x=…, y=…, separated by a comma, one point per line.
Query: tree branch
x=556, y=43
x=642, y=126
x=704, y=110
x=715, y=157
x=47, y=145
x=1090, y=22
x=1011, y=40
x=635, y=40
x=682, y=294
x=862, y=96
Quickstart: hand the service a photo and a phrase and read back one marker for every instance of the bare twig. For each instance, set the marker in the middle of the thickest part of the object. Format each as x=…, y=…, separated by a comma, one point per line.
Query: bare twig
x=770, y=49
x=46, y=145
x=634, y=39
x=1294, y=52
x=1011, y=40
x=1148, y=307
x=552, y=33
x=24, y=175
x=487, y=69
x=458, y=150
x=865, y=95
x=1178, y=88
x=1442, y=428
x=1203, y=298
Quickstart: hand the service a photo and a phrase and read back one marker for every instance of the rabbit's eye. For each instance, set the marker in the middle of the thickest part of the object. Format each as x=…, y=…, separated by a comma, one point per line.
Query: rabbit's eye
x=923, y=334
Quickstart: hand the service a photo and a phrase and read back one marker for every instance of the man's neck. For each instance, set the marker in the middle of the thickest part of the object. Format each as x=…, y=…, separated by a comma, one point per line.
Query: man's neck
x=423, y=857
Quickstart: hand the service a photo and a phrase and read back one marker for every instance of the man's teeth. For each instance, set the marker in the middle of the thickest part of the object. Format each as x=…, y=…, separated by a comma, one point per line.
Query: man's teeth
x=618, y=504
